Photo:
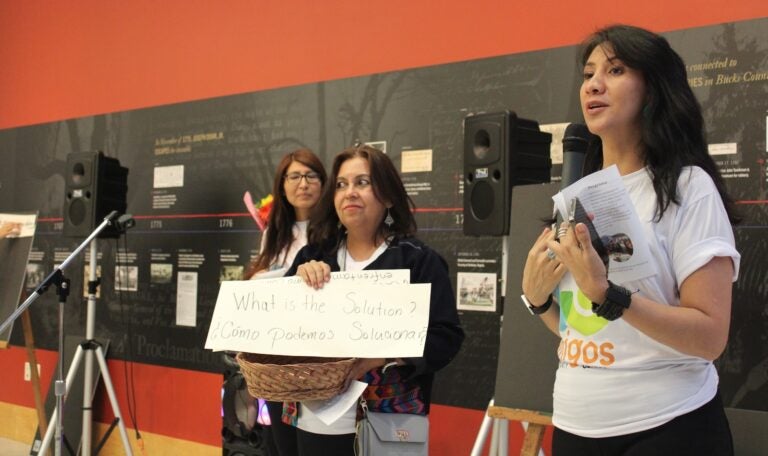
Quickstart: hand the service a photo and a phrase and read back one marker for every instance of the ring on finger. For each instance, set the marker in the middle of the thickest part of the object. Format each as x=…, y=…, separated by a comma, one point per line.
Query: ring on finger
x=551, y=255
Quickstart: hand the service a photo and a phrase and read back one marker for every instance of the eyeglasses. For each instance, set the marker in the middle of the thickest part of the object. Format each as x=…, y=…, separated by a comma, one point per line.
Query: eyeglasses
x=295, y=178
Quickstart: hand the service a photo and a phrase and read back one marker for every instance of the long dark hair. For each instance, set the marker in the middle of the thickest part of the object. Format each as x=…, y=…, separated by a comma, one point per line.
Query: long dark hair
x=283, y=215
x=672, y=123
x=325, y=229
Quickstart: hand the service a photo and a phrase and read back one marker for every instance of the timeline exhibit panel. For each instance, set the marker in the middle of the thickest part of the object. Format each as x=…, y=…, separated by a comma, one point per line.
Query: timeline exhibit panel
x=191, y=163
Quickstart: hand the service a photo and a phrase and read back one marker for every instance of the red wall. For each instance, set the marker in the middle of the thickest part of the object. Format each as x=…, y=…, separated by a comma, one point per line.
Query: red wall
x=70, y=59
x=61, y=60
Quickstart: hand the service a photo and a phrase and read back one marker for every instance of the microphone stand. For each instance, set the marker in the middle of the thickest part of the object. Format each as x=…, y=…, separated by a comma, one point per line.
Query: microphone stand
x=58, y=279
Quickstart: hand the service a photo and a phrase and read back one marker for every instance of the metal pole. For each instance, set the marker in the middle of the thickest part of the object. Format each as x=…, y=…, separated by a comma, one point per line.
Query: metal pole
x=113, y=399
x=56, y=415
x=87, y=438
x=482, y=434
x=59, y=386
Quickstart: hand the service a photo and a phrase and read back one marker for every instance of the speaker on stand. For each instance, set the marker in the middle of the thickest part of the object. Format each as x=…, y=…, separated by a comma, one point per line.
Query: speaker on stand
x=95, y=185
x=501, y=150
x=96, y=188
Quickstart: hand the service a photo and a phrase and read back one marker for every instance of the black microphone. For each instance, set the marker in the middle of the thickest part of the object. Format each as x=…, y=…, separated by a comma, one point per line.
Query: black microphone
x=575, y=141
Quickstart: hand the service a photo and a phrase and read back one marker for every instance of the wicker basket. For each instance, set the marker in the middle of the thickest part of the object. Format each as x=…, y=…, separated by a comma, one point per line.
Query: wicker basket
x=293, y=378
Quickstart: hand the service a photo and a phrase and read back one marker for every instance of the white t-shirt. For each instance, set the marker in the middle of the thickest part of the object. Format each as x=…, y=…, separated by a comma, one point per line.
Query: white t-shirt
x=308, y=421
x=613, y=379
x=285, y=258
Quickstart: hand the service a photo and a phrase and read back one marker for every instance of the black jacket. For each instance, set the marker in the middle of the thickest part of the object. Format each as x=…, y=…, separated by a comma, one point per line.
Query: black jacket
x=444, y=333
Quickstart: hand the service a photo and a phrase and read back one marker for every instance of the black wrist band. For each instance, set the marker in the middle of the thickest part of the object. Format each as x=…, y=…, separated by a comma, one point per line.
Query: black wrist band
x=617, y=300
x=537, y=310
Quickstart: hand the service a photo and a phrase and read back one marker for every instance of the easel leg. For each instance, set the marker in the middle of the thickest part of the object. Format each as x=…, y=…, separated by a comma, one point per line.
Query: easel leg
x=29, y=342
x=534, y=436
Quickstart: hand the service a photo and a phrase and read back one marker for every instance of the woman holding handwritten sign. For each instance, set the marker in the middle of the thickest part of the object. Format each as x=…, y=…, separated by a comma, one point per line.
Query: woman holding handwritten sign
x=365, y=221
x=298, y=182
x=636, y=374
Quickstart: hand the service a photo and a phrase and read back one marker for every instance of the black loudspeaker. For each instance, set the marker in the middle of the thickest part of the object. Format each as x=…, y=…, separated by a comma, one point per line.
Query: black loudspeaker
x=501, y=150
x=240, y=448
x=241, y=434
x=95, y=186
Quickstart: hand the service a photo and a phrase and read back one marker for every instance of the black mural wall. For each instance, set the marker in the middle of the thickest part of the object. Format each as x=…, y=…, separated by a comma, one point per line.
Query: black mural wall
x=231, y=145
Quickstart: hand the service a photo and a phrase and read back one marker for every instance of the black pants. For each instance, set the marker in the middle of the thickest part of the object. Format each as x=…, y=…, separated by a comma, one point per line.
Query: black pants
x=704, y=431
x=311, y=444
x=283, y=435
x=291, y=441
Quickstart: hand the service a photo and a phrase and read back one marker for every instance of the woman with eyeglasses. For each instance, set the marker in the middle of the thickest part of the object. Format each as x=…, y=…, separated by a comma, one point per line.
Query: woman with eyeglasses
x=298, y=182
x=296, y=188
x=364, y=220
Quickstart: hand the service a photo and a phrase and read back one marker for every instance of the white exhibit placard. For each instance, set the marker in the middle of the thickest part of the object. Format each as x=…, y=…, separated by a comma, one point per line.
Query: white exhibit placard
x=168, y=176
x=367, y=314
x=186, y=298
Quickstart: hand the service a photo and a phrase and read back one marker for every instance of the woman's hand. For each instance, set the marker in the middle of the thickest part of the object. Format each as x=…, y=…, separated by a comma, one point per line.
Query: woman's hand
x=10, y=230
x=360, y=367
x=542, y=273
x=314, y=273
x=575, y=251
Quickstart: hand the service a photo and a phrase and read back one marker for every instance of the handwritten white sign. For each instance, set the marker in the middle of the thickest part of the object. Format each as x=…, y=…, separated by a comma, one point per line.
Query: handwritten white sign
x=370, y=314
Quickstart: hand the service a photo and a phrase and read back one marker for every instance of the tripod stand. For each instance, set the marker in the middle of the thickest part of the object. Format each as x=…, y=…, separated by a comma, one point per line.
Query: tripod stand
x=497, y=428
x=89, y=348
x=496, y=419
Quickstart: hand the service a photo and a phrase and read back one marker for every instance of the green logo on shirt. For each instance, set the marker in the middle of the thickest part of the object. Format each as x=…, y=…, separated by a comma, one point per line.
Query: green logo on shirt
x=579, y=315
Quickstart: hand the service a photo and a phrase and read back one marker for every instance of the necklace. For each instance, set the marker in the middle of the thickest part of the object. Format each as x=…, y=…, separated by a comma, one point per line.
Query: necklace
x=343, y=254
